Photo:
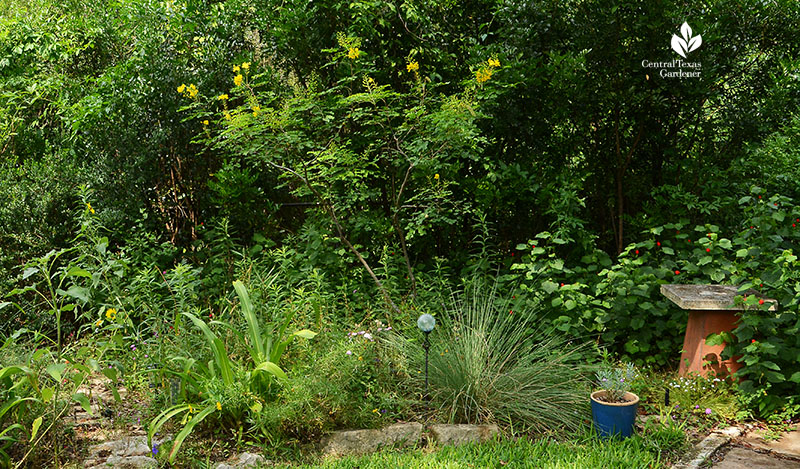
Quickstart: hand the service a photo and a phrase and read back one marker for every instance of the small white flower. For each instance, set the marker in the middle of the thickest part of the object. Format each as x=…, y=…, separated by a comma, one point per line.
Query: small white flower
x=368, y=336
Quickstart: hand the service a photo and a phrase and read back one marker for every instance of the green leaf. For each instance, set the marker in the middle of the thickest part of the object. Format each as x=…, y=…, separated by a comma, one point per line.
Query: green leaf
x=47, y=394
x=81, y=399
x=557, y=301
x=667, y=251
x=305, y=333
x=778, y=216
x=714, y=339
x=774, y=376
x=742, y=252
x=28, y=272
x=217, y=347
x=549, y=286
x=77, y=292
x=35, y=428
x=725, y=243
x=270, y=368
x=795, y=377
x=570, y=304
x=770, y=365
x=78, y=272
x=56, y=370
x=188, y=429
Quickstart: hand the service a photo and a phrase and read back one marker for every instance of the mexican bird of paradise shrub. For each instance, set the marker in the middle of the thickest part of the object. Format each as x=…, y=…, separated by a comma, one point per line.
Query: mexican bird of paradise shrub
x=619, y=302
x=379, y=163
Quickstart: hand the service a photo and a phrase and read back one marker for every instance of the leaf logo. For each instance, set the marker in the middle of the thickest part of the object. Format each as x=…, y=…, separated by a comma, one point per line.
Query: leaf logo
x=687, y=43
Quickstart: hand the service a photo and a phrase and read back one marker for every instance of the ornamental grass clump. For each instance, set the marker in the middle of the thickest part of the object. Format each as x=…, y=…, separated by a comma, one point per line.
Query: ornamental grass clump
x=490, y=363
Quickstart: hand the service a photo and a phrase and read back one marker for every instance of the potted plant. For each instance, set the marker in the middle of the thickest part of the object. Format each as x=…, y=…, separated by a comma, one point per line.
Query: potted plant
x=614, y=406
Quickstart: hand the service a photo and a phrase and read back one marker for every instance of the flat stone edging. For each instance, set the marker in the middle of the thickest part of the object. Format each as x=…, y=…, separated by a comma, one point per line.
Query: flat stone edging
x=354, y=442
x=697, y=456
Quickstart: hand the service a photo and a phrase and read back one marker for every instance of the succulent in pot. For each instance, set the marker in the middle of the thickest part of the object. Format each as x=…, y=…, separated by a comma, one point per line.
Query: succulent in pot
x=614, y=407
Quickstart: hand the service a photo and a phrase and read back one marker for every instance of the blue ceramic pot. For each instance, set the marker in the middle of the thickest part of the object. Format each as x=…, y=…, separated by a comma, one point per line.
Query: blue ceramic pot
x=612, y=418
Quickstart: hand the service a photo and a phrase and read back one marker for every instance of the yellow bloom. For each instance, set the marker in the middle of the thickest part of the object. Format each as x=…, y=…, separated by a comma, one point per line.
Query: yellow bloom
x=436, y=176
x=205, y=122
x=219, y=406
x=223, y=97
x=412, y=66
x=353, y=53
x=256, y=109
x=360, y=358
x=235, y=69
x=181, y=88
x=493, y=62
x=89, y=206
x=192, y=90
x=98, y=323
x=246, y=66
x=483, y=75
x=228, y=115
x=191, y=409
x=111, y=313
x=237, y=80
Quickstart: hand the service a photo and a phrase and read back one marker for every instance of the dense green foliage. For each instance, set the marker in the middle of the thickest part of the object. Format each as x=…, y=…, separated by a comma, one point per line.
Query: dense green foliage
x=191, y=188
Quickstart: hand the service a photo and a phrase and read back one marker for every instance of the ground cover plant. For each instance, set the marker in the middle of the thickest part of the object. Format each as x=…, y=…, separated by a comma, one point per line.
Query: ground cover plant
x=230, y=214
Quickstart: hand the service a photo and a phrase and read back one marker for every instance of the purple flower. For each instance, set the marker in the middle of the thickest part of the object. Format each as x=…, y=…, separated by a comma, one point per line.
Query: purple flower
x=697, y=407
x=154, y=450
x=389, y=328
x=708, y=411
x=348, y=352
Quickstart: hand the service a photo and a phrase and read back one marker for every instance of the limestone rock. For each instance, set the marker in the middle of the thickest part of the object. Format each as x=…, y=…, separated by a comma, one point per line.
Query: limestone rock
x=460, y=434
x=245, y=460
x=367, y=441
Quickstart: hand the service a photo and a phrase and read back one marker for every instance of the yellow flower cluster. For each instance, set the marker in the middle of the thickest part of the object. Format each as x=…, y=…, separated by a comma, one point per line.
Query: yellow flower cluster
x=205, y=122
x=484, y=73
x=188, y=91
x=89, y=206
x=353, y=53
x=256, y=110
x=412, y=66
x=111, y=314
x=223, y=97
x=219, y=405
x=237, y=80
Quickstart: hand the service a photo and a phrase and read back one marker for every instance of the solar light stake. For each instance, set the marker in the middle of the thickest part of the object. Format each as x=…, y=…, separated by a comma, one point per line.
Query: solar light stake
x=426, y=323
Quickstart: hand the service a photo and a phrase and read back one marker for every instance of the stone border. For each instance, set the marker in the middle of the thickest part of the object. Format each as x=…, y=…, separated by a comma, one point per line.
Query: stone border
x=697, y=456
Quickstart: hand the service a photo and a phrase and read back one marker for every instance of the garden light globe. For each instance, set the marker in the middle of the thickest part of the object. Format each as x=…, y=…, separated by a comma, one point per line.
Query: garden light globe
x=426, y=323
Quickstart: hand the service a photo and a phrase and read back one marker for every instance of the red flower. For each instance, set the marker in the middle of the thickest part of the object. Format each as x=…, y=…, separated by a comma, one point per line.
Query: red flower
x=658, y=243
x=752, y=341
x=677, y=272
x=761, y=302
x=690, y=240
x=637, y=252
x=708, y=249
